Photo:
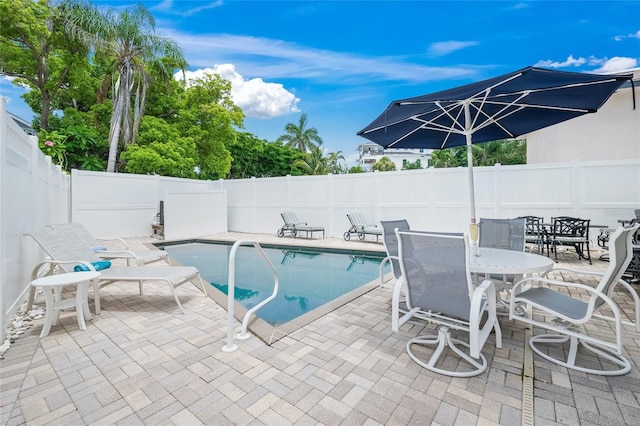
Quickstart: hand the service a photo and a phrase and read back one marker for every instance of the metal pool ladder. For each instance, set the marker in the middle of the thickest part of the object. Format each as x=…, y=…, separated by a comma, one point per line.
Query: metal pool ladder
x=243, y=335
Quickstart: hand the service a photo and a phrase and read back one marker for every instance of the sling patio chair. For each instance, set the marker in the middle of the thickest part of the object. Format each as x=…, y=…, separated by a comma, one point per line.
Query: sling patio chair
x=535, y=232
x=65, y=250
x=98, y=246
x=360, y=227
x=293, y=226
x=390, y=241
x=504, y=234
x=435, y=270
x=576, y=314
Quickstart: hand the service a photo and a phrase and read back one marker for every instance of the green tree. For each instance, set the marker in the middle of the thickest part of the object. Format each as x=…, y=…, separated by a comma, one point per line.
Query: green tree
x=357, y=169
x=129, y=45
x=35, y=49
x=161, y=150
x=506, y=152
x=256, y=157
x=449, y=157
x=208, y=116
x=412, y=165
x=384, y=165
x=300, y=136
x=334, y=164
x=313, y=163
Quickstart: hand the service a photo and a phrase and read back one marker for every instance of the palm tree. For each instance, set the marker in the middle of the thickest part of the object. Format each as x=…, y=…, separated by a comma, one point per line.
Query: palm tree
x=129, y=43
x=313, y=163
x=300, y=137
x=333, y=162
x=384, y=165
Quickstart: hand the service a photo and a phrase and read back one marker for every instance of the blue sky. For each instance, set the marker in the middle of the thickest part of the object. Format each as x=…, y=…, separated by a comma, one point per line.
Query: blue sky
x=343, y=62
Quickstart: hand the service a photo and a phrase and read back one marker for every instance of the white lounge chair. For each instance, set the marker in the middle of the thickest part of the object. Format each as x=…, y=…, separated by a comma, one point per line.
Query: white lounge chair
x=65, y=250
x=97, y=245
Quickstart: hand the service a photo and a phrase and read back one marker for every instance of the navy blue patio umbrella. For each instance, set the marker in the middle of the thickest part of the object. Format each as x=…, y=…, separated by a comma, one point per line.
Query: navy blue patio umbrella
x=498, y=108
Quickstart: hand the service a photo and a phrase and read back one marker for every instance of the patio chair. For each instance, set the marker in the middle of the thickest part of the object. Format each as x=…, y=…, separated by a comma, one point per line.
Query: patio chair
x=572, y=232
x=390, y=242
x=293, y=226
x=535, y=232
x=435, y=270
x=97, y=245
x=65, y=250
x=360, y=227
x=504, y=234
x=561, y=308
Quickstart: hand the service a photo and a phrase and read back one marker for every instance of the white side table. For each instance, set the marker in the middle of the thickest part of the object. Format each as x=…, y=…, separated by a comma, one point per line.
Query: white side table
x=52, y=288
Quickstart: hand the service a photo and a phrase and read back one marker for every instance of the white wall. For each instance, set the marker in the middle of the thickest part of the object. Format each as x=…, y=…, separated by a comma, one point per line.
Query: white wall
x=438, y=199
x=194, y=214
x=33, y=192
x=613, y=133
x=120, y=205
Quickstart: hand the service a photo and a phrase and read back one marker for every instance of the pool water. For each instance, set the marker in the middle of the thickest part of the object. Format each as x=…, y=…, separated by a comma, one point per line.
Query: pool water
x=309, y=278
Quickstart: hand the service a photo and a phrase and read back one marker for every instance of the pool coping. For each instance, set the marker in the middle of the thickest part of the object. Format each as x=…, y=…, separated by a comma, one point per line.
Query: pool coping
x=266, y=332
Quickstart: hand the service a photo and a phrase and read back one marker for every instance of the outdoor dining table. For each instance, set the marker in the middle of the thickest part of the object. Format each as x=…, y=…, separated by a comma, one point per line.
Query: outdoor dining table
x=508, y=262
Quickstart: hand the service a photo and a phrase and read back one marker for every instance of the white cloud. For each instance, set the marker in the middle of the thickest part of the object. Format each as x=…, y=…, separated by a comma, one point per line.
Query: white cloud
x=570, y=62
x=617, y=63
x=256, y=97
x=277, y=59
x=167, y=6
x=622, y=37
x=442, y=48
x=605, y=65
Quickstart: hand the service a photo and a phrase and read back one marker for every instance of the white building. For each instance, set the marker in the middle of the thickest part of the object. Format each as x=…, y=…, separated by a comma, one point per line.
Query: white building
x=612, y=133
x=370, y=152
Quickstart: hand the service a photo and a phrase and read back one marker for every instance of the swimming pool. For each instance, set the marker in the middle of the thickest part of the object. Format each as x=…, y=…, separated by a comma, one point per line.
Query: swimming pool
x=310, y=278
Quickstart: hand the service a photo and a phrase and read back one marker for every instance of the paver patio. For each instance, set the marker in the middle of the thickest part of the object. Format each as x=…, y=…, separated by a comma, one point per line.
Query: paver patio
x=142, y=362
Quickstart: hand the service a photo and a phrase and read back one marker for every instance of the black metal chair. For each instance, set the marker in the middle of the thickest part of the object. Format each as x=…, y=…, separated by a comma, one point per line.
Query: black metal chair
x=572, y=232
x=534, y=232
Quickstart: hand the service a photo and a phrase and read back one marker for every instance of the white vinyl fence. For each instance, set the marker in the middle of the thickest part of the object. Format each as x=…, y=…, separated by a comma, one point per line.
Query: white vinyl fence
x=435, y=199
x=34, y=192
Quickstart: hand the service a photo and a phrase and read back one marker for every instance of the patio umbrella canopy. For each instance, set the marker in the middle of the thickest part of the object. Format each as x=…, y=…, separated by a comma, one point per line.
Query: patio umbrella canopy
x=502, y=107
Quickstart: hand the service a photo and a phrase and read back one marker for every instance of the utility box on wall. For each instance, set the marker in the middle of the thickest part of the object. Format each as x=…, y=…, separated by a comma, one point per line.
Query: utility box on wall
x=194, y=214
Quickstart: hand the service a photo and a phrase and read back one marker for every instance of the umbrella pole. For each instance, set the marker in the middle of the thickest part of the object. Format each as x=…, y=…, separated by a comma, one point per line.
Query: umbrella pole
x=473, y=226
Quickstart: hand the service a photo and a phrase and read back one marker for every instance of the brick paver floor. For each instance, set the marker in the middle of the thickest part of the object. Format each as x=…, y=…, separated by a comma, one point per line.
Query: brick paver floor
x=141, y=362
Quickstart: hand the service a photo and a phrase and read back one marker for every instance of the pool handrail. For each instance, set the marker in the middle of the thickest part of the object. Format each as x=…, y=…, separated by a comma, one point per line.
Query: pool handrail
x=243, y=335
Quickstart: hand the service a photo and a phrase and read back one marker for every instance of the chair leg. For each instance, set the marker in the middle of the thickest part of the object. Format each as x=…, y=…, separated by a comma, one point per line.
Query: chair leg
x=623, y=365
x=443, y=340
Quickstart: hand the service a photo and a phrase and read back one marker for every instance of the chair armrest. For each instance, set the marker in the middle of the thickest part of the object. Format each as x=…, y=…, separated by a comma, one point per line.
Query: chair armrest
x=120, y=240
x=121, y=254
x=636, y=301
x=575, y=271
x=34, y=271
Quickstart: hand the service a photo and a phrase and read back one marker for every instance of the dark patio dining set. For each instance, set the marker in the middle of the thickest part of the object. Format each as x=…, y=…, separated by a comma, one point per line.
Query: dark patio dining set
x=574, y=233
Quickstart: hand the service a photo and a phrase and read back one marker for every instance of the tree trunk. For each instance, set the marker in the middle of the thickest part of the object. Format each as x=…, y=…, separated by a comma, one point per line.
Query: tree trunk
x=116, y=124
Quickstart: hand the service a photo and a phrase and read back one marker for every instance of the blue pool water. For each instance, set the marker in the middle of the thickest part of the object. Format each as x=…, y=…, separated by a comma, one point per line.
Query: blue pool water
x=309, y=278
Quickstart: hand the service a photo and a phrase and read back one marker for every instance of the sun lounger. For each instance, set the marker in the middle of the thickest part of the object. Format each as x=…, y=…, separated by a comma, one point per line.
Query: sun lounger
x=65, y=250
x=361, y=228
x=293, y=226
x=99, y=247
